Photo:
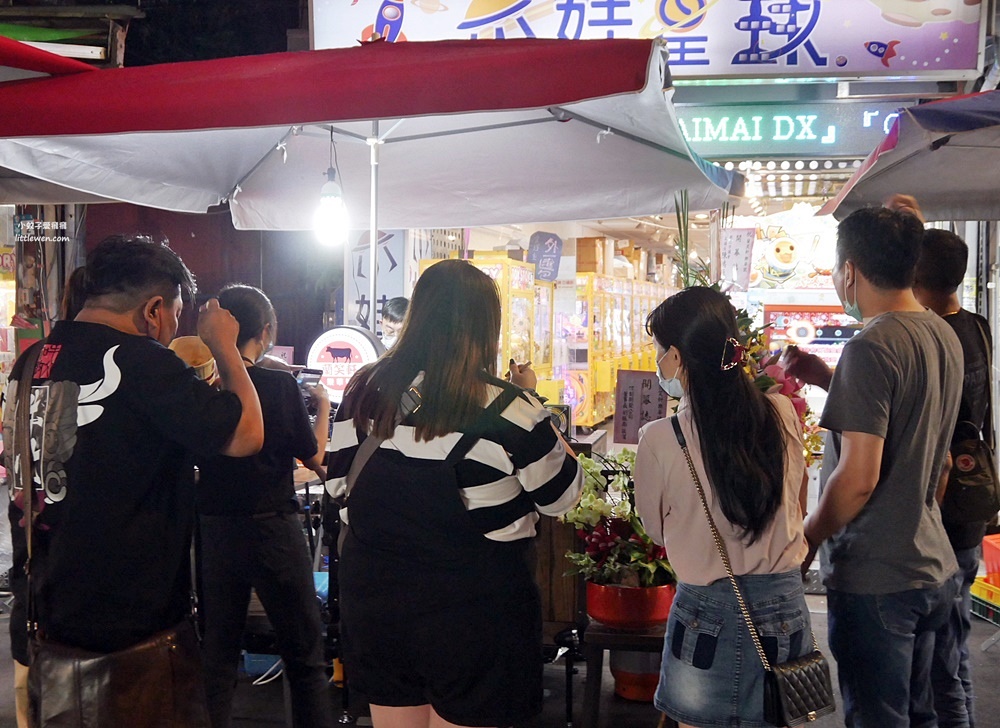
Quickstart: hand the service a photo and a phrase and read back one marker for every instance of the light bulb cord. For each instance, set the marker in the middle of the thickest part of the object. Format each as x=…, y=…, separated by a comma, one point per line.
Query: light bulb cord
x=334, y=161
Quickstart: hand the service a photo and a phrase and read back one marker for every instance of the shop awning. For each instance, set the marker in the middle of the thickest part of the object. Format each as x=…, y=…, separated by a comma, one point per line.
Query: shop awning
x=945, y=153
x=470, y=133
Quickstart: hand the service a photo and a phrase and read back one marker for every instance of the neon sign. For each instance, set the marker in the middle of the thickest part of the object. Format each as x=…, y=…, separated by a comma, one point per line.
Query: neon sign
x=825, y=128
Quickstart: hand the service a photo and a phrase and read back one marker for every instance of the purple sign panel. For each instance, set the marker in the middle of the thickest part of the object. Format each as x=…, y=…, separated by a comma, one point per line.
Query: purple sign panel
x=705, y=38
x=638, y=400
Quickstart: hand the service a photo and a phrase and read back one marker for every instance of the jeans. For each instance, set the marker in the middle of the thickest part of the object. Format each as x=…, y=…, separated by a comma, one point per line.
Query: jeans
x=950, y=672
x=711, y=674
x=270, y=555
x=883, y=644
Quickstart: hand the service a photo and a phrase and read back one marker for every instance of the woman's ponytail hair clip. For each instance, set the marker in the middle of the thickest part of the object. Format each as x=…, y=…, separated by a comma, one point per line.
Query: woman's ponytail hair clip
x=733, y=354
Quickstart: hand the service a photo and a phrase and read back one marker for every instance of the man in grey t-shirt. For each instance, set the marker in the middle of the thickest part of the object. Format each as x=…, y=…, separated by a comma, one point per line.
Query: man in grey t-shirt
x=885, y=557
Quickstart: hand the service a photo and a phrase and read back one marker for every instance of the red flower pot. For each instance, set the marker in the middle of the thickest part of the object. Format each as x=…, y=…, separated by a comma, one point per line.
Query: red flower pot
x=636, y=674
x=630, y=607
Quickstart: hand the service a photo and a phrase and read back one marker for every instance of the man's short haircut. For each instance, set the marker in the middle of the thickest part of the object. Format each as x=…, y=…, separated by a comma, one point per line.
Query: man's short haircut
x=394, y=309
x=943, y=260
x=883, y=244
x=125, y=271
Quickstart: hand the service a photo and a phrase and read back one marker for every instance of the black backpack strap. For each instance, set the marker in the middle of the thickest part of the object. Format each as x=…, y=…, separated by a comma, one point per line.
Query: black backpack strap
x=495, y=409
x=987, y=428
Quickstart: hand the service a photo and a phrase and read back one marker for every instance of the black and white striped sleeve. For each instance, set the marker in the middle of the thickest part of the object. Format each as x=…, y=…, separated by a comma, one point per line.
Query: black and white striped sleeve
x=342, y=448
x=550, y=476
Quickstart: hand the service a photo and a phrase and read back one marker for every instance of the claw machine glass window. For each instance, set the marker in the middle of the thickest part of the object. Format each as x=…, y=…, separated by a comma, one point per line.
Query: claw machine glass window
x=542, y=340
x=583, y=333
x=628, y=290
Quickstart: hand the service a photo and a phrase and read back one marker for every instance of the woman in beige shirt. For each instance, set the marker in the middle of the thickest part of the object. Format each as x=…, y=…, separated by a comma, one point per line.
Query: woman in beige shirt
x=747, y=449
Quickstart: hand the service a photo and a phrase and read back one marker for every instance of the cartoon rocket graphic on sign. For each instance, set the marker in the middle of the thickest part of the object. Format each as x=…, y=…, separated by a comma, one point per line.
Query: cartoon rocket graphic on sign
x=389, y=21
x=885, y=51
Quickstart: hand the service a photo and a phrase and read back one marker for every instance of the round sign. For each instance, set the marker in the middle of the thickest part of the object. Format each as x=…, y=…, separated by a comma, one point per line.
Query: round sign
x=339, y=353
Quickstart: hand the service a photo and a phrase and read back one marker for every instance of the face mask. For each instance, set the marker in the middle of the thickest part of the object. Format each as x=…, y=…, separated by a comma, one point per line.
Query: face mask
x=671, y=386
x=388, y=341
x=853, y=309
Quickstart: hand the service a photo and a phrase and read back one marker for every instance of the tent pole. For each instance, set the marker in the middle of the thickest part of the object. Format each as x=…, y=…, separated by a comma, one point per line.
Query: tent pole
x=373, y=142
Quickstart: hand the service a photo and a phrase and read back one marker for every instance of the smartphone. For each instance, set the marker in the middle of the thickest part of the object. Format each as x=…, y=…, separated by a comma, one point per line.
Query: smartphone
x=309, y=377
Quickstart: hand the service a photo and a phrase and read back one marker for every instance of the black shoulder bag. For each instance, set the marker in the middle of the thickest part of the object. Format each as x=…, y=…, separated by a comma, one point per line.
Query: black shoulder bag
x=973, y=492
x=154, y=684
x=795, y=692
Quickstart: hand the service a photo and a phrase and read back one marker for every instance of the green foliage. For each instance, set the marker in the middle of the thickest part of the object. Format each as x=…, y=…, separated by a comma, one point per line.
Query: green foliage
x=617, y=549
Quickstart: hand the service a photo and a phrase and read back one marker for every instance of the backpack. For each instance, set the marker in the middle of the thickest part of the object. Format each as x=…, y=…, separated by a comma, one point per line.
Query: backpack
x=973, y=493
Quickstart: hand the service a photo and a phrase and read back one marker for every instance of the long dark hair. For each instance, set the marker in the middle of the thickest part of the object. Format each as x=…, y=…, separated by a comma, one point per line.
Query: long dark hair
x=741, y=437
x=451, y=333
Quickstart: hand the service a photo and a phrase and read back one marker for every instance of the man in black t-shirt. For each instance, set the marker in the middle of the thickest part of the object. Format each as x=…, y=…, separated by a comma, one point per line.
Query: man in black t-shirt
x=115, y=416
x=940, y=271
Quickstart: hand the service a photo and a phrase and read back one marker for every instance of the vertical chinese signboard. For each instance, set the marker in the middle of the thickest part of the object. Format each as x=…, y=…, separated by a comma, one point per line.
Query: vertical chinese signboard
x=545, y=251
x=638, y=400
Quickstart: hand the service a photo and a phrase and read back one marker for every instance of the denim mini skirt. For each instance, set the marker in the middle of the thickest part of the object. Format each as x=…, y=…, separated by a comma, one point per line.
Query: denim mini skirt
x=711, y=674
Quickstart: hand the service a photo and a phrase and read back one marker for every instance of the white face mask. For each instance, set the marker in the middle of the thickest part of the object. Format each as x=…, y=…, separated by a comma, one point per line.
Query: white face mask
x=672, y=386
x=388, y=341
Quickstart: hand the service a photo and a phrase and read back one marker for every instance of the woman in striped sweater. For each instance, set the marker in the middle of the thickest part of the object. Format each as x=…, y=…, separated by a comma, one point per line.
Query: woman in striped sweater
x=440, y=614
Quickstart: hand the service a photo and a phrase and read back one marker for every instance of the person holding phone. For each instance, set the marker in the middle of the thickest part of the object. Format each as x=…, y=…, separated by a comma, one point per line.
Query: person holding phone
x=441, y=621
x=309, y=377
x=251, y=533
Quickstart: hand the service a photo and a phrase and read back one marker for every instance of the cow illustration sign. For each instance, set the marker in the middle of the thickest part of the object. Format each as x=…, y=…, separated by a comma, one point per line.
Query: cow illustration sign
x=339, y=353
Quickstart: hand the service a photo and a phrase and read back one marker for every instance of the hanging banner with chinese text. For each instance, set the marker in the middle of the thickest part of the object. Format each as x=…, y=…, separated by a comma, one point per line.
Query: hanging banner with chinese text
x=705, y=38
x=736, y=247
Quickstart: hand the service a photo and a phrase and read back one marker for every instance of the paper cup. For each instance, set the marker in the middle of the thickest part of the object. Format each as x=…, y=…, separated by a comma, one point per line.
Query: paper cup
x=193, y=352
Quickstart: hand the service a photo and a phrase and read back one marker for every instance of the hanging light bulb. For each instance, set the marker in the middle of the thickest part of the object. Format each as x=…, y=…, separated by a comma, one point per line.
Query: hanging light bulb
x=331, y=222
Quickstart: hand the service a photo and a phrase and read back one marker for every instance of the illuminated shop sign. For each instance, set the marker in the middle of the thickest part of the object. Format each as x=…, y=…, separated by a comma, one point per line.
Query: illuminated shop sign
x=823, y=129
x=705, y=38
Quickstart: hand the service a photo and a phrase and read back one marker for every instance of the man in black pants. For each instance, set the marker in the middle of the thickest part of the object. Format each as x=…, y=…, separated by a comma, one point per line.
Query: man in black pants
x=114, y=416
x=940, y=271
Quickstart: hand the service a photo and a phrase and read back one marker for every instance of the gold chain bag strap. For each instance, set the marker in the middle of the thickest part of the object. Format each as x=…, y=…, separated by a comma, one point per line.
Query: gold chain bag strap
x=795, y=692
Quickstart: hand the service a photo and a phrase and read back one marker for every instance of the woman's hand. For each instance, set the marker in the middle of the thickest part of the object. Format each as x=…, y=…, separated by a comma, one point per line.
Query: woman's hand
x=522, y=375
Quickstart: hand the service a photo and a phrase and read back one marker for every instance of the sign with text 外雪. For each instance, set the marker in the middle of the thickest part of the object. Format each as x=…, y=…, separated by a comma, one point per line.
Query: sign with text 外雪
x=820, y=129
x=705, y=38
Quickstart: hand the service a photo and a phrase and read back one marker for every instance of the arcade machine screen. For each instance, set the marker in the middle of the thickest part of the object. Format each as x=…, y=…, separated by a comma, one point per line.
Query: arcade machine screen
x=819, y=330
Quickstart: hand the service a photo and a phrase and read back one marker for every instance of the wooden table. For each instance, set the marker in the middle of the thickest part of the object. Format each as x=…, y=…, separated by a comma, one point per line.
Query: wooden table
x=596, y=640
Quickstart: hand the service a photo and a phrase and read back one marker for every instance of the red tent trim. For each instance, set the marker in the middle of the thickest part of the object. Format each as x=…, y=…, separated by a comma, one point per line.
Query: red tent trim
x=15, y=54
x=374, y=81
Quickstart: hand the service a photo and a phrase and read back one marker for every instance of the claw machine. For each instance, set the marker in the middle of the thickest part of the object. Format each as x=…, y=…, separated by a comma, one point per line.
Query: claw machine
x=589, y=374
x=543, y=343
x=606, y=363
x=581, y=330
